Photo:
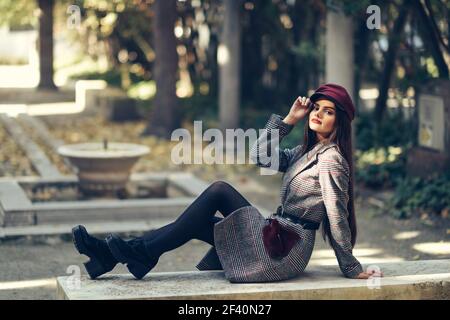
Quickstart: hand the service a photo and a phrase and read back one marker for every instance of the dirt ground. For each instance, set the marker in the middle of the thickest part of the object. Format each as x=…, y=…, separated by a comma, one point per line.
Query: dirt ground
x=28, y=266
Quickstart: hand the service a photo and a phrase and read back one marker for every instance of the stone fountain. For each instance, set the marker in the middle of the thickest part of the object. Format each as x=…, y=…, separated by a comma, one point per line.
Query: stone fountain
x=103, y=168
x=104, y=195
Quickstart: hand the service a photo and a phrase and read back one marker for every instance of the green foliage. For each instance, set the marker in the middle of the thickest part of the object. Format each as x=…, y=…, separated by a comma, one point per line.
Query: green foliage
x=414, y=195
x=112, y=77
x=395, y=130
x=308, y=52
x=381, y=150
x=380, y=167
x=200, y=107
x=350, y=7
x=282, y=52
x=18, y=14
x=143, y=90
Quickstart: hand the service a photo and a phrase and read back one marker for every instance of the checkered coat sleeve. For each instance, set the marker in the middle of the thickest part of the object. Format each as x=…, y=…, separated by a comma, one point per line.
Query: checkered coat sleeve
x=334, y=180
x=262, y=146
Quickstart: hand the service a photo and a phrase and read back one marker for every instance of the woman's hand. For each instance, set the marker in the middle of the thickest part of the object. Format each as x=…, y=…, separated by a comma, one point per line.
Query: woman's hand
x=367, y=275
x=298, y=110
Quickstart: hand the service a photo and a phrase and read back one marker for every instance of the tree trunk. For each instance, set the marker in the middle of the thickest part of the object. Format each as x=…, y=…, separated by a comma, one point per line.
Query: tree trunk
x=252, y=62
x=164, y=117
x=389, y=62
x=229, y=55
x=46, y=44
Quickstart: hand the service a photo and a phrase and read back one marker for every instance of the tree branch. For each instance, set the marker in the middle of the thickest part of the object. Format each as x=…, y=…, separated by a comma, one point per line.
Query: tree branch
x=434, y=25
x=429, y=37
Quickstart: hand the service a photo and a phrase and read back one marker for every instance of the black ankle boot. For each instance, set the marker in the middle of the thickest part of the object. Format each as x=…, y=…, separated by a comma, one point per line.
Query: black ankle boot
x=133, y=253
x=101, y=259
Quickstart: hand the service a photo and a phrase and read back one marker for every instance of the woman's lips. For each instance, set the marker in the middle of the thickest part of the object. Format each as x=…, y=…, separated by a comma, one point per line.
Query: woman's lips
x=316, y=121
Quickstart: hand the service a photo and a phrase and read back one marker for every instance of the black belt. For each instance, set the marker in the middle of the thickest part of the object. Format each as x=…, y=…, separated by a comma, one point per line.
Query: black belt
x=306, y=224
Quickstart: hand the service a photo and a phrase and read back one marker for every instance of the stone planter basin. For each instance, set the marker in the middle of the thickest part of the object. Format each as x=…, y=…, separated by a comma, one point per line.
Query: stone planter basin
x=103, y=168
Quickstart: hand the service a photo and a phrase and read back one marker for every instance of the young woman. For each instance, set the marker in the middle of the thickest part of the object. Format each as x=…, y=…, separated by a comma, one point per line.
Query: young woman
x=317, y=188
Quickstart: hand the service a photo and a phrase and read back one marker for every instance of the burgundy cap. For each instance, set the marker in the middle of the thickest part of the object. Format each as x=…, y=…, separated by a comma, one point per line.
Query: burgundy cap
x=338, y=95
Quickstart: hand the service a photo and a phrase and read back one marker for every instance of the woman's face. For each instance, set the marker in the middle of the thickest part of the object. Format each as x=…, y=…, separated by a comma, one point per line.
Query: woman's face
x=325, y=112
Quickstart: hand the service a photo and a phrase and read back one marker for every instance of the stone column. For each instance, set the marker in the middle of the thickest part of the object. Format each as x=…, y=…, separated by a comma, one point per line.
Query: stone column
x=339, y=63
x=339, y=59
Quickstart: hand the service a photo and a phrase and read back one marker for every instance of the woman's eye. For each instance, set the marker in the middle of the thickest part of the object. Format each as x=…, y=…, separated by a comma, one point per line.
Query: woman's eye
x=316, y=108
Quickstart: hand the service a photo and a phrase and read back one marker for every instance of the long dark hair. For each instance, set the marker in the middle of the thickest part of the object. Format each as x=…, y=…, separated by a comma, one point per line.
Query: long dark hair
x=342, y=136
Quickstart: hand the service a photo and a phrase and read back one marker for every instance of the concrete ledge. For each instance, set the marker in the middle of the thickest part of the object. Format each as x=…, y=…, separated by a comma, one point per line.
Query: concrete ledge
x=93, y=227
x=428, y=279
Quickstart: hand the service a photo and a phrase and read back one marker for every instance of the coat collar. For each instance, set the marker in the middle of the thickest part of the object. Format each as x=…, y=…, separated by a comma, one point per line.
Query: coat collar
x=301, y=164
x=311, y=156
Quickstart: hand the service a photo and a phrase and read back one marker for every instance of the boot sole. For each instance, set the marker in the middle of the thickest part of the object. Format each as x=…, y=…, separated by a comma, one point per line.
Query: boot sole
x=93, y=267
x=136, y=268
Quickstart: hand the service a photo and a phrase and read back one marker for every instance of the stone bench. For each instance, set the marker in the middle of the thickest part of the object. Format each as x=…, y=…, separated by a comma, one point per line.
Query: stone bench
x=427, y=279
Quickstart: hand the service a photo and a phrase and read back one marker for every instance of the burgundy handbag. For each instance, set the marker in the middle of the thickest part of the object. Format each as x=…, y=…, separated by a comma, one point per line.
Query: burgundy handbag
x=278, y=240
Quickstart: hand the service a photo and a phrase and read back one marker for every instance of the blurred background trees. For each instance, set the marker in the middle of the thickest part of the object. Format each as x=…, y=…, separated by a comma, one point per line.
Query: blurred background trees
x=278, y=50
x=282, y=47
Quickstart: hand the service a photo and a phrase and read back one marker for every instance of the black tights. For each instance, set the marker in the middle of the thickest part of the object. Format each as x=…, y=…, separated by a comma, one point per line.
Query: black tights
x=197, y=221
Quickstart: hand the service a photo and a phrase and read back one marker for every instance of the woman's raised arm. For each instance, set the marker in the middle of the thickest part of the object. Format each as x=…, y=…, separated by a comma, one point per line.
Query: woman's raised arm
x=260, y=151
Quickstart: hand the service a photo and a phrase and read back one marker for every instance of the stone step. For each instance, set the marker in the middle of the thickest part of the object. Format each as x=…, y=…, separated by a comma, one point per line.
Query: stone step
x=103, y=227
x=34, y=96
x=426, y=279
x=38, y=158
x=40, y=128
x=99, y=210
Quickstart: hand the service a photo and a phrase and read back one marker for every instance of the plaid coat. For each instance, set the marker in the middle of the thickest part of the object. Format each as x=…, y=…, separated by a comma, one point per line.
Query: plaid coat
x=313, y=186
